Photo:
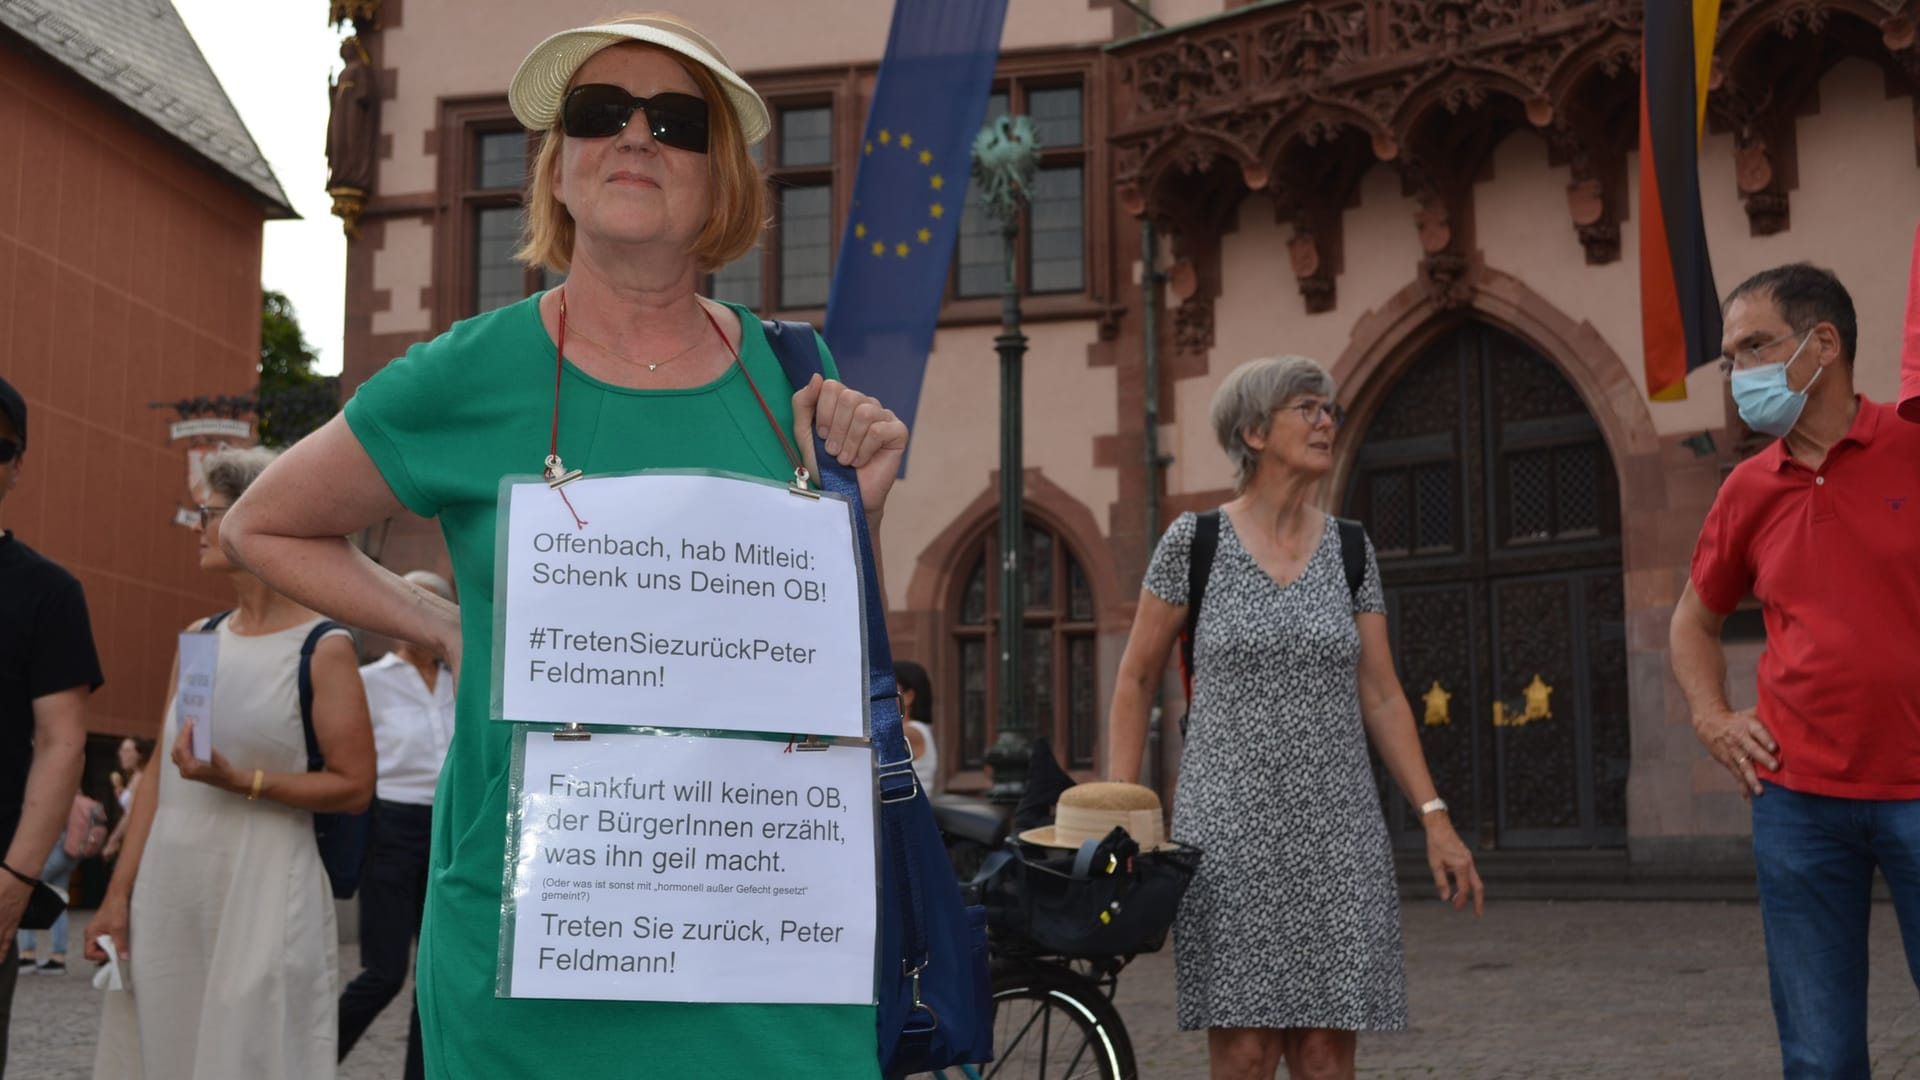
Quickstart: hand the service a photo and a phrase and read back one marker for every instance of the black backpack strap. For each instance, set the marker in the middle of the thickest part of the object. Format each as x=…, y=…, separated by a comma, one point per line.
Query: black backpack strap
x=314, y=761
x=1353, y=553
x=1206, y=540
x=214, y=621
x=1199, y=569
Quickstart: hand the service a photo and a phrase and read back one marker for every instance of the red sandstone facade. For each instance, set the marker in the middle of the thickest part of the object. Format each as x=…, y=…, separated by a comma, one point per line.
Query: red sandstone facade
x=129, y=274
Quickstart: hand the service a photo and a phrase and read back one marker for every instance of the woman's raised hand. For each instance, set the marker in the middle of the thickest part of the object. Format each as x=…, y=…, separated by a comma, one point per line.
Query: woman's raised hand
x=859, y=431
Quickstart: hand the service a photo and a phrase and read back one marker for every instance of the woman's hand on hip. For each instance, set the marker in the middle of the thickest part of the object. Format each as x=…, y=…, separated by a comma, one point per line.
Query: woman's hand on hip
x=860, y=433
x=1452, y=864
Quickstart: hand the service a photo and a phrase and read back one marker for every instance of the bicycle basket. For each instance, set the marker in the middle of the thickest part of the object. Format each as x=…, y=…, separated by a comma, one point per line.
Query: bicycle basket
x=1107, y=899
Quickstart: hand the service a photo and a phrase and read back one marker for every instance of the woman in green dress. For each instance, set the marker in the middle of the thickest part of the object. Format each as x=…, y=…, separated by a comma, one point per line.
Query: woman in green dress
x=643, y=186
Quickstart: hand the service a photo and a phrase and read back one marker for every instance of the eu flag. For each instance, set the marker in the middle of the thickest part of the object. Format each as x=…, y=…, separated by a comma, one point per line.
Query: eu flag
x=928, y=102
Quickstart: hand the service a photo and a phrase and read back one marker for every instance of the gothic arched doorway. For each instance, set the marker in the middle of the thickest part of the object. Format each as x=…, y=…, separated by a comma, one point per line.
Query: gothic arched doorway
x=1493, y=505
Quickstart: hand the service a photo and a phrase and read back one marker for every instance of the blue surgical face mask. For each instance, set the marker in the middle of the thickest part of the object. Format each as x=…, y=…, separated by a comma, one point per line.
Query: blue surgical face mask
x=1764, y=399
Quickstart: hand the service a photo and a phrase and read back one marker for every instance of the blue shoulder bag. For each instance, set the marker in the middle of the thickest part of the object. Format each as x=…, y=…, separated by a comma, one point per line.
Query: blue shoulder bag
x=935, y=990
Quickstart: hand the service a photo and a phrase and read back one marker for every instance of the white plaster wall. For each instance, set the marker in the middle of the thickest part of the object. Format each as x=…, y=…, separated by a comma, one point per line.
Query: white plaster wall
x=956, y=437
x=1260, y=311
x=1854, y=212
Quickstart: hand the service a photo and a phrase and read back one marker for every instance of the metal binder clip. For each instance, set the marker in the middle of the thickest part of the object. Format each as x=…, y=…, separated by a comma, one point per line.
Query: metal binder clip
x=557, y=474
x=812, y=742
x=573, y=733
x=800, y=484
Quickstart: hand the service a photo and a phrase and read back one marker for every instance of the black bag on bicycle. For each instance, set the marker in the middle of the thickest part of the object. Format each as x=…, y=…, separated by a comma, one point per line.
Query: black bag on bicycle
x=1107, y=899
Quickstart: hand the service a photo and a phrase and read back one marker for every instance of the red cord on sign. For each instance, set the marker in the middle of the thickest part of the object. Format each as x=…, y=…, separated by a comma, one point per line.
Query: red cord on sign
x=555, y=470
x=786, y=444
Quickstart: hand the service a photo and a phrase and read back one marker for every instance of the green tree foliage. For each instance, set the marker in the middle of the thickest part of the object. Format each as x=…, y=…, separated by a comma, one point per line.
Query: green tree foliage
x=293, y=400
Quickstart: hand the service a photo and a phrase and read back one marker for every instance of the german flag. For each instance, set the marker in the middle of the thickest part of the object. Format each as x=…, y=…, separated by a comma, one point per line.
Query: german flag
x=1679, y=307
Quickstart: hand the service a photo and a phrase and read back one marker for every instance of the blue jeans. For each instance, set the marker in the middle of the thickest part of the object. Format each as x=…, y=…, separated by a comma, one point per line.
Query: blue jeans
x=1815, y=855
x=57, y=872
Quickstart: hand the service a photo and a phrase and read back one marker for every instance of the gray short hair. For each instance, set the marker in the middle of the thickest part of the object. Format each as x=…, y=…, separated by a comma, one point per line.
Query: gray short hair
x=431, y=582
x=1246, y=400
x=231, y=471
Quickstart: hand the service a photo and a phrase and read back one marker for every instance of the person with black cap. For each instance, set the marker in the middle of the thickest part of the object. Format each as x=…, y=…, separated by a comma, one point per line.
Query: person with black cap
x=48, y=666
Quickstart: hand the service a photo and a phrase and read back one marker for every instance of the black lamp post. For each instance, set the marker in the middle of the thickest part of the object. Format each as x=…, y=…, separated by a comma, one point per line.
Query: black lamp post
x=1006, y=154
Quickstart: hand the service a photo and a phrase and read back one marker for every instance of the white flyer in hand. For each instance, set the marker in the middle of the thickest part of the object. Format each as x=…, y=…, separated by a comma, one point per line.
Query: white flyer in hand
x=199, y=657
x=691, y=868
x=678, y=600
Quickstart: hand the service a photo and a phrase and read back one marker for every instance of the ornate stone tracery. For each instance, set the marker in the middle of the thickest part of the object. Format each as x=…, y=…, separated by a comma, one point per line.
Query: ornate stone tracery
x=1277, y=98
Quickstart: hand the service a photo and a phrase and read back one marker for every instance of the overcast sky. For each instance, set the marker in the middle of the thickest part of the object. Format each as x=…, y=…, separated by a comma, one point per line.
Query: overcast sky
x=274, y=60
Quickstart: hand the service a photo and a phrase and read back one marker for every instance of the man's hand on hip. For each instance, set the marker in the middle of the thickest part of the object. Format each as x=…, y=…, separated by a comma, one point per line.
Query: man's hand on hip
x=1739, y=741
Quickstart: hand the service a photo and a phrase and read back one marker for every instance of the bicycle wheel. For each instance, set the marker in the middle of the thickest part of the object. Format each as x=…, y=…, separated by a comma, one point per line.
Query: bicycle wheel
x=1050, y=1025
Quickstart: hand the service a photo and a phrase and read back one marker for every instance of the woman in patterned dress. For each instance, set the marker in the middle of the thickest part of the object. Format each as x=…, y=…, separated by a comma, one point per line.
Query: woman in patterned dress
x=1288, y=940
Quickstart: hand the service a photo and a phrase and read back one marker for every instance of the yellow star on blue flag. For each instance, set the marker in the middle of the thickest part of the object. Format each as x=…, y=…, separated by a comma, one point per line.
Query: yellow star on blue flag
x=929, y=100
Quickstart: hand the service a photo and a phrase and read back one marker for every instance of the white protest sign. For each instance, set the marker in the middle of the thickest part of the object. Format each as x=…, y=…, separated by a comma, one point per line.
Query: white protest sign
x=199, y=656
x=691, y=868
x=681, y=601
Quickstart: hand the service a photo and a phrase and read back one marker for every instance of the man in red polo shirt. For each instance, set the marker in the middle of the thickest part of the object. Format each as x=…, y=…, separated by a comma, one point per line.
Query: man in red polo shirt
x=1823, y=527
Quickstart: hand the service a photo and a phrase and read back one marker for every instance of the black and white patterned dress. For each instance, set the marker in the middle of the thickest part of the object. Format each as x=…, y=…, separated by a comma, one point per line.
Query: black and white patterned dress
x=1293, y=920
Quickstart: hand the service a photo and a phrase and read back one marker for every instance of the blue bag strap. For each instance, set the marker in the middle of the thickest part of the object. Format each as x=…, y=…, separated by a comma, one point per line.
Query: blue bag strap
x=214, y=620
x=795, y=345
x=314, y=761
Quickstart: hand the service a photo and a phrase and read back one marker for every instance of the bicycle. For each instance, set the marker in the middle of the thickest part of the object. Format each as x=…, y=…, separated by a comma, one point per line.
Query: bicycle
x=1053, y=1018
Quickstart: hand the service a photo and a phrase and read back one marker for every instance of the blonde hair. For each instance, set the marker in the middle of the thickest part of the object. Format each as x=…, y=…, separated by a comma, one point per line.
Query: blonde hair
x=739, y=212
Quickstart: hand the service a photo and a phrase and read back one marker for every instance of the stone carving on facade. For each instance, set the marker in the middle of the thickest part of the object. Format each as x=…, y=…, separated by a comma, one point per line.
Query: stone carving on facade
x=1565, y=68
x=1191, y=71
x=1193, y=327
x=1444, y=24
x=363, y=14
x=1316, y=42
x=1593, y=211
x=353, y=135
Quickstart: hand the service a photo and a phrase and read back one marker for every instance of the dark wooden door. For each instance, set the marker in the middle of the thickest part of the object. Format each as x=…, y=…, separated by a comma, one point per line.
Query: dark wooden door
x=1494, y=509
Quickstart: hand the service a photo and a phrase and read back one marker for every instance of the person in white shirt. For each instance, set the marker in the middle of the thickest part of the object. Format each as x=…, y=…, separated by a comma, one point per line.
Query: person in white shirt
x=916, y=708
x=410, y=696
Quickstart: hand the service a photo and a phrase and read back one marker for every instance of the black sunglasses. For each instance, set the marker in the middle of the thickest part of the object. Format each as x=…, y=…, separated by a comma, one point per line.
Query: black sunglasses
x=9, y=449
x=597, y=110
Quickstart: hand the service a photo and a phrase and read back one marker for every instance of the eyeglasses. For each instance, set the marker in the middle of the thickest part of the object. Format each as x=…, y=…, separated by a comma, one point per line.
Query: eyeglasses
x=598, y=110
x=9, y=450
x=1751, y=355
x=1309, y=412
x=206, y=512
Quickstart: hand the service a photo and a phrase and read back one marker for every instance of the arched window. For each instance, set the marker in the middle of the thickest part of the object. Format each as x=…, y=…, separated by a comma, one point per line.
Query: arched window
x=1058, y=659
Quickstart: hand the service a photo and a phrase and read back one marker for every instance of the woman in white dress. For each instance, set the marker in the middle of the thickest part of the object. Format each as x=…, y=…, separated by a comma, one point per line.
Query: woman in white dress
x=220, y=900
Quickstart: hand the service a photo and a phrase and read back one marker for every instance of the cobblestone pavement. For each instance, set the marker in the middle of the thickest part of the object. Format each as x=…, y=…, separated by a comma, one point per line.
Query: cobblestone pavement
x=1534, y=991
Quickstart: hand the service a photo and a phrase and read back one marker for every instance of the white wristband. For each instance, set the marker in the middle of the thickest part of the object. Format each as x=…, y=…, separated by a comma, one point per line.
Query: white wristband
x=1432, y=806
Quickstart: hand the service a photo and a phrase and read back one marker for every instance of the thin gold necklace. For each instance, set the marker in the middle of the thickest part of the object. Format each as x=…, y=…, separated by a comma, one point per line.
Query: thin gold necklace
x=628, y=359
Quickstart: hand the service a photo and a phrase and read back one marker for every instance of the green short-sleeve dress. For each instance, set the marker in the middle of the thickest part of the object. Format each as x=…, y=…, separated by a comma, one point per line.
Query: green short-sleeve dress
x=443, y=424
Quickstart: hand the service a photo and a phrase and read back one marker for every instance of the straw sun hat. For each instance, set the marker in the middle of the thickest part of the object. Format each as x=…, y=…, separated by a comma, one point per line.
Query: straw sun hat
x=1090, y=811
x=541, y=83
